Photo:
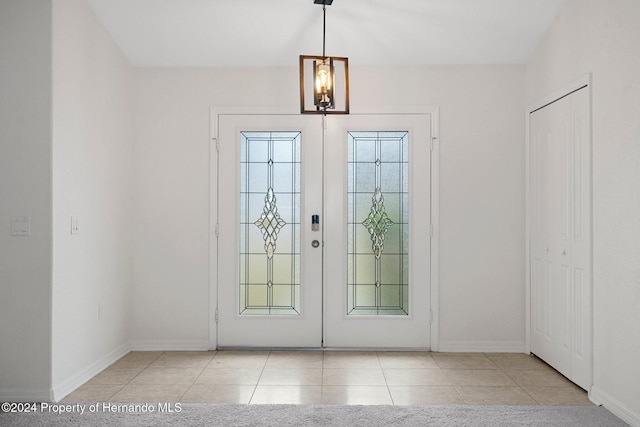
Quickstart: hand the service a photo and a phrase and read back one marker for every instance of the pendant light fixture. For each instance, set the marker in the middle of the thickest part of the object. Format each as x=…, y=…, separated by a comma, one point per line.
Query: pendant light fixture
x=324, y=80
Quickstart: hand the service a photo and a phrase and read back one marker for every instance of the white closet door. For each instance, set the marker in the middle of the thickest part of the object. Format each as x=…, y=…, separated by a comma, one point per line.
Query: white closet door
x=549, y=129
x=581, y=238
x=560, y=235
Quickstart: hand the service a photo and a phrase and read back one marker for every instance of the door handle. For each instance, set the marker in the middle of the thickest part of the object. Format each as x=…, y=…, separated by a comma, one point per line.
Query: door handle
x=315, y=243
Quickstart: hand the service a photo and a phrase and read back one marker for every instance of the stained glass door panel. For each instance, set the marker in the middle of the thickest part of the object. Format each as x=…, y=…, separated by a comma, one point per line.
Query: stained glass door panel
x=378, y=223
x=269, y=223
x=269, y=275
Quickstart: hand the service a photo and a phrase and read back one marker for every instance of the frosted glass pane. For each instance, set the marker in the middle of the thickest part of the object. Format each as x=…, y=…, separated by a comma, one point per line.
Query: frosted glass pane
x=283, y=178
x=244, y=272
x=255, y=240
x=405, y=270
x=243, y=208
x=351, y=271
x=296, y=242
x=256, y=203
x=257, y=268
x=351, y=176
x=283, y=296
x=391, y=267
x=405, y=297
x=285, y=243
x=296, y=184
x=390, y=296
x=390, y=177
x=362, y=241
x=365, y=150
x=405, y=149
x=282, y=269
x=365, y=177
x=283, y=151
x=393, y=135
x=405, y=239
x=365, y=295
x=405, y=208
x=243, y=151
x=350, y=240
x=391, y=151
x=258, y=151
x=296, y=271
x=364, y=266
x=257, y=295
x=405, y=176
x=257, y=177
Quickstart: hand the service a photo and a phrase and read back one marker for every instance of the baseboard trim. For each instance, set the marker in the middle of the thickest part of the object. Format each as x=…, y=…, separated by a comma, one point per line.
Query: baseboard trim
x=481, y=346
x=25, y=395
x=617, y=408
x=59, y=391
x=166, y=345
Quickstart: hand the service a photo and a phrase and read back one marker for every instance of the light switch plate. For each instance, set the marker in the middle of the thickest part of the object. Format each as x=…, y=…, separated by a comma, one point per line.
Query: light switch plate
x=21, y=226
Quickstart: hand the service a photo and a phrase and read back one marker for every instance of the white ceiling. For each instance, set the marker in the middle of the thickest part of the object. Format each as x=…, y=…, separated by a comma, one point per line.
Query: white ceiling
x=197, y=33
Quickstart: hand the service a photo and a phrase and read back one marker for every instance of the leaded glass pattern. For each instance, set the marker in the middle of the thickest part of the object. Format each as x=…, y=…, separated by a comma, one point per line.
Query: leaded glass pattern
x=378, y=223
x=269, y=223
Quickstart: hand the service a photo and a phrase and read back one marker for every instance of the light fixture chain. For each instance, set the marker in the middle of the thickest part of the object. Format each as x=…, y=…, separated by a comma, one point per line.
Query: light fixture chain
x=324, y=28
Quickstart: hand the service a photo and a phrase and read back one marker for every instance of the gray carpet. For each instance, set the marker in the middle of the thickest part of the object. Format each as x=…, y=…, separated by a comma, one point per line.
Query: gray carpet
x=229, y=415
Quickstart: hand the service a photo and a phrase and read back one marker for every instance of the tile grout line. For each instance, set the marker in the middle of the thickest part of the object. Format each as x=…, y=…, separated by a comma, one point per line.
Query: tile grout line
x=255, y=388
x=136, y=376
x=196, y=379
x=385, y=379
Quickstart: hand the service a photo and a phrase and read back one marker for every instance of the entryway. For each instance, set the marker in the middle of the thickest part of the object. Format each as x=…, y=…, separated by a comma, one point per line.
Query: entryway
x=323, y=230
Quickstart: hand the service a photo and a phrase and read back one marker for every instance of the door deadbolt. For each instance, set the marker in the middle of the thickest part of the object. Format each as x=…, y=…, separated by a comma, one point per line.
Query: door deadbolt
x=315, y=222
x=315, y=243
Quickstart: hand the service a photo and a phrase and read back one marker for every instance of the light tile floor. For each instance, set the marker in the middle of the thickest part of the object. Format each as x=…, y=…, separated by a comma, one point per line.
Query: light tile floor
x=331, y=377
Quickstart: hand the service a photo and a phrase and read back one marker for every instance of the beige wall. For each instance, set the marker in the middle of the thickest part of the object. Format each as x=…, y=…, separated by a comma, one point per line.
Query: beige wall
x=25, y=190
x=92, y=146
x=481, y=198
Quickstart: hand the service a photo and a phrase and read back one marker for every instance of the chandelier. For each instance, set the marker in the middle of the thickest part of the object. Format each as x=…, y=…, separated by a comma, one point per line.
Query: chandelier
x=324, y=80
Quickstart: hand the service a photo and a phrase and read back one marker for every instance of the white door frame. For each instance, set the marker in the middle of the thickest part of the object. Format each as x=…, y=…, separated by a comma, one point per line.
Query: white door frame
x=581, y=82
x=434, y=114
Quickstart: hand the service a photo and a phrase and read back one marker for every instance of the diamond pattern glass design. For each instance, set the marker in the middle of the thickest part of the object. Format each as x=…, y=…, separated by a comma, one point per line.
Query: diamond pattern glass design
x=269, y=245
x=378, y=223
x=270, y=223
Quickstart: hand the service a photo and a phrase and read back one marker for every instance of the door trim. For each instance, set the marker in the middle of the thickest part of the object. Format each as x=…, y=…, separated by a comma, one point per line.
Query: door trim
x=215, y=112
x=580, y=83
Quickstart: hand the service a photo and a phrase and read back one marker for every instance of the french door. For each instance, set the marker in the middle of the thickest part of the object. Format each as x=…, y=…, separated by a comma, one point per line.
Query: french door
x=324, y=231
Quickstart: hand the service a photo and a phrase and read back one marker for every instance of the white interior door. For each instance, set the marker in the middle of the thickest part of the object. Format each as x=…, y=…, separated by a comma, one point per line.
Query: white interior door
x=560, y=228
x=361, y=277
x=377, y=237
x=269, y=274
